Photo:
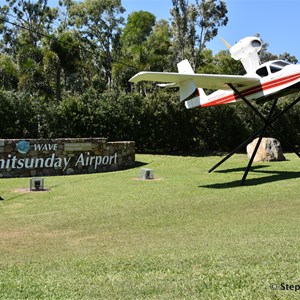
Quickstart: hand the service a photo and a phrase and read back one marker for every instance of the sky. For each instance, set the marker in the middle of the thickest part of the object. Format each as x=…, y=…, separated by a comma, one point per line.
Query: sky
x=277, y=21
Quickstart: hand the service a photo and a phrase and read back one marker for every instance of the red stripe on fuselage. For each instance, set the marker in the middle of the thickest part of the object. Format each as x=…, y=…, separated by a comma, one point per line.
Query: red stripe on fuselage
x=253, y=90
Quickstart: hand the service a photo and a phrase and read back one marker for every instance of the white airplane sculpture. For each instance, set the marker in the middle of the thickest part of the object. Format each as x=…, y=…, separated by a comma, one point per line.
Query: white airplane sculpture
x=262, y=82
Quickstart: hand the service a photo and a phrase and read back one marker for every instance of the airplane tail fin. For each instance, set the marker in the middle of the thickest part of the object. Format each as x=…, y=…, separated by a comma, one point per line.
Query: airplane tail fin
x=189, y=93
x=197, y=99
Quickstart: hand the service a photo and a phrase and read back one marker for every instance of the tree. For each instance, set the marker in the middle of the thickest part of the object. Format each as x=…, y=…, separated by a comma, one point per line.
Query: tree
x=9, y=73
x=213, y=15
x=158, y=47
x=194, y=25
x=179, y=27
x=99, y=24
x=25, y=24
x=134, y=46
x=17, y=115
x=30, y=20
x=138, y=27
x=32, y=78
x=225, y=64
x=64, y=55
x=136, y=32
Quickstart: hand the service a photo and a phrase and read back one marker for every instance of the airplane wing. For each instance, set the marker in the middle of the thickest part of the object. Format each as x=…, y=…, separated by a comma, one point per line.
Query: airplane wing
x=209, y=81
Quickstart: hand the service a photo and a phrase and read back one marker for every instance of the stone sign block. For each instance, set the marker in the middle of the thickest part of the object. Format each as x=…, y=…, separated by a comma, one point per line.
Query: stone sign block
x=41, y=157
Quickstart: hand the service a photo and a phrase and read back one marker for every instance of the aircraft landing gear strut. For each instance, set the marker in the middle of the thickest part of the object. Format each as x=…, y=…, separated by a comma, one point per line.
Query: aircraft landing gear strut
x=268, y=121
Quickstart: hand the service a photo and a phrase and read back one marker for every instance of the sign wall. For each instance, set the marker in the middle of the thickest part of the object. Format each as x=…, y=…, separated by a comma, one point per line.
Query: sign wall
x=37, y=157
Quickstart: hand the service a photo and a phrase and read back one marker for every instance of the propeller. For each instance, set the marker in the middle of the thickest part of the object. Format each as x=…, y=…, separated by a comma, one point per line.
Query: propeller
x=228, y=46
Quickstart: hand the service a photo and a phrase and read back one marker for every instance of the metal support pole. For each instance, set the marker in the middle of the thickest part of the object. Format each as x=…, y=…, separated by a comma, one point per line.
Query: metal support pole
x=267, y=123
x=235, y=150
x=273, y=120
x=259, y=141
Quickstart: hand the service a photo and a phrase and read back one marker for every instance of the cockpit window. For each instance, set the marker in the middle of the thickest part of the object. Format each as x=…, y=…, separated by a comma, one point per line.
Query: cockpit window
x=277, y=66
x=262, y=72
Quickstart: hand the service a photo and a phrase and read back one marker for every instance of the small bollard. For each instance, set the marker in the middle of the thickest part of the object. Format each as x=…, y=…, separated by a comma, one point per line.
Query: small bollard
x=36, y=184
x=146, y=174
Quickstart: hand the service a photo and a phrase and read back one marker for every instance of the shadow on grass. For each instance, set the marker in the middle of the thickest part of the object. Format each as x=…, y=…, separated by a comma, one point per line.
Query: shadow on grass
x=139, y=164
x=273, y=176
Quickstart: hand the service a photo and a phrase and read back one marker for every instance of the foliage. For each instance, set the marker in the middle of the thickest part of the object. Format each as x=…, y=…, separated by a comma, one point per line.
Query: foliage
x=194, y=25
x=30, y=20
x=157, y=122
x=134, y=47
x=64, y=72
x=18, y=115
x=9, y=72
x=99, y=24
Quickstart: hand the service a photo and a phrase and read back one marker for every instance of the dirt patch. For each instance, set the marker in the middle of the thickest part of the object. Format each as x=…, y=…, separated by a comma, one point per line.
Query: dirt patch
x=142, y=179
x=27, y=190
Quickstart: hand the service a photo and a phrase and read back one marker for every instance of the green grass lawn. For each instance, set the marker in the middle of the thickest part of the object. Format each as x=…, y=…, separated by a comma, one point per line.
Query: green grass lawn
x=186, y=235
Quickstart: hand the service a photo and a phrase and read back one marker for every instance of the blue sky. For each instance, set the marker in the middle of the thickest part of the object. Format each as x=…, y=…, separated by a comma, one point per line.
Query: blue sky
x=277, y=21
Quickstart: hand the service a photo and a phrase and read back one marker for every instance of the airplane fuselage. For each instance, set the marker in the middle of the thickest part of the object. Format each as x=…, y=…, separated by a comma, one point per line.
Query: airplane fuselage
x=277, y=78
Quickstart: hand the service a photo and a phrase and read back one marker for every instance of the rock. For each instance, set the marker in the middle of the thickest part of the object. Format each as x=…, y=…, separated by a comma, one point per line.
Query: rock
x=269, y=150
